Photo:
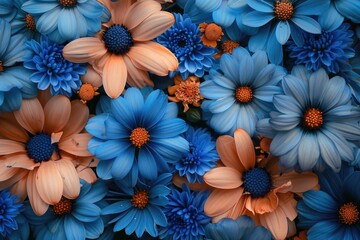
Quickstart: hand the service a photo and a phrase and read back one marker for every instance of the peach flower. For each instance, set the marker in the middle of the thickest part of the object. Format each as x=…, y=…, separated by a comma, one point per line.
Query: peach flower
x=254, y=187
x=43, y=152
x=123, y=51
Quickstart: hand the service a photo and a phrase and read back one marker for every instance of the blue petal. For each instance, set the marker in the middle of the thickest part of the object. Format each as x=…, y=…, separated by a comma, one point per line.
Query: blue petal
x=149, y=223
x=48, y=21
x=123, y=163
x=147, y=165
x=86, y=212
x=311, y=7
x=12, y=100
x=295, y=88
x=74, y=229
x=224, y=15
x=208, y=6
x=325, y=230
x=154, y=108
x=223, y=122
x=274, y=49
x=125, y=220
x=291, y=139
x=257, y=19
x=96, y=193
x=67, y=24
x=349, y=9
x=123, y=112
x=330, y=19
x=103, y=169
x=266, y=93
x=261, y=6
x=36, y=7
x=246, y=70
x=246, y=120
x=168, y=128
x=229, y=67
x=94, y=229
x=308, y=24
x=158, y=215
x=259, y=40
x=329, y=153
x=260, y=60
x=222, y=104
x=105, y=150
x=320, y=201
x=282, y=32
x=117, y=207
x=135, y=99
x=309, y=151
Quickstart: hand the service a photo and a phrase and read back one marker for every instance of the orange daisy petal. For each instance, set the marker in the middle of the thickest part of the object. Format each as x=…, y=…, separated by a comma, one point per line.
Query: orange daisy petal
x=92, y=77
x=57, y=113
x=31, y=115
x=221, y=201
x=84, y=50
x=70, y=178
x=44, y=96
x=137, y=77
x=37, y=204
x=87, y=174
x=19, y=188
x=301, y=182
x=238, y=209
x=49, y=182
x=78, y=118
x=226, y=148
x=288, y=207
x=114, y=76
x=19, y=161
x=265, y=204
x=276, y=222
x=223, y=178
x=244, y=148
x=76, y=144
x=138, y=12
x=9, y=147
x=7, y=173
x=12, y=130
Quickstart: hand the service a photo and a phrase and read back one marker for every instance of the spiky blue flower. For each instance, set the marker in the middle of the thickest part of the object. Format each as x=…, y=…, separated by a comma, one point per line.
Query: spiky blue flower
x=185, y=215
x=50, y=69
x=76, y=219
x=183, y=39
x=200, y=158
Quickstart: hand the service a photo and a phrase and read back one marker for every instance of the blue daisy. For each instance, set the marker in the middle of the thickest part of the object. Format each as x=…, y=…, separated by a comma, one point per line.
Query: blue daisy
x=328, y=50
x=50, y=69
x=15, y=84
x=8, y=9
x=241, y=92
x=65, y=20
x=76, y=219
x=333, y=212
x=185, y=215
x=183, y=39
x=139, y=208
x=138, y=135
x=201, y=157
x=243, y=228
x=314, y=124
x=278, y=19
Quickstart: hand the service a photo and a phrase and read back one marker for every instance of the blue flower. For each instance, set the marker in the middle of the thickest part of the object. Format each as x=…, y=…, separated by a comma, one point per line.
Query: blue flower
x=314, y=123
x=76, y=219
x=328, y=50
x=243, y=228
x=200, y=158
x=139, y=208
x=138, y=135
x=15, y=84
x=8, y=9
x=241, y=92
x=333, y=212
x=50, y=69
x=183, y=39
x=278, y=19
x=65, y=20
x=185, y=215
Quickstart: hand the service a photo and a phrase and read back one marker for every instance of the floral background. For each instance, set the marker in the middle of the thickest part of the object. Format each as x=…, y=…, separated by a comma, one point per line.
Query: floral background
x=186, y=119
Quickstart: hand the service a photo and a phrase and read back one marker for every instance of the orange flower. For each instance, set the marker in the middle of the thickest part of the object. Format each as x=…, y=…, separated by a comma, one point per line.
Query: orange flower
x=43, y=152
x=254, y=187
x=212, y=34
x=123, y=51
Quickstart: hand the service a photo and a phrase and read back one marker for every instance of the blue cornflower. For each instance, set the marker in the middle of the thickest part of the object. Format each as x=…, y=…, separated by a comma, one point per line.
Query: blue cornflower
x=241, y=92
x=65, y=20
x=278, y=19
x=333, y=212
x=13, y=225
x=138, y=135
x=185, y=215
x=50, y=69
x=183, y=39
x=76, y=219
x=314, y=122
x=15, y=84
x=200, y=158
x=243, y=228
x=139, y=208
x=328, y=50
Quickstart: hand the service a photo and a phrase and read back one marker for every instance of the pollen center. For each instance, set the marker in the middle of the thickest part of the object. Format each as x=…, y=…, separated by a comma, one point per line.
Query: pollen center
x=349, y=214
x=118, y=39
x=188, y=91
x=228, y=46
x=283, y=10
x=244, y=94
x=313, y=119
x=68, y=3
x=257, y=182
x=139, y=136
x=87, y=92
x=63, y=207
x=39, y=147
x=140, y=199
x=213, y=32
x=1, y=66
x=30, y=22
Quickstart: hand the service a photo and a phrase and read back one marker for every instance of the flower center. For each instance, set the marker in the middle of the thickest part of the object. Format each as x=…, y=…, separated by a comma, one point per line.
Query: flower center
x=39, y=147
x=118, y=39
x=228, y=46
x=68, y=3
x=283, y=10
x=313, y=119
x=1, y=66
x=87, y=92
x=30, y=22
x=139, y=136
x=213, y=32
x=188, y=91
x=63, y=207
x=349, y=214
x=140, y=199
x=244, y=94
x=257, y=182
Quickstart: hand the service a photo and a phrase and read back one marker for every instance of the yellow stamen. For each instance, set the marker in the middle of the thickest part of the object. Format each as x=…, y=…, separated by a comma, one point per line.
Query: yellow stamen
x=313, y=119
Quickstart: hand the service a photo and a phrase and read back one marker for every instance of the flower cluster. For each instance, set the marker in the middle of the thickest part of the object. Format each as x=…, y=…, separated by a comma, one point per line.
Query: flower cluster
x=186, y=119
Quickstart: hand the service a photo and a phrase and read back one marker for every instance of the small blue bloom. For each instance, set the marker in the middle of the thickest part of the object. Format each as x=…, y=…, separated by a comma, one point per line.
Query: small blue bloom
x=51, y=69
x=241, y=92
x=243, y=228
x=200, y=158
x=139, y=208
x=137, y=135
x=185, y=215
x=76, y=219
x=183, y=39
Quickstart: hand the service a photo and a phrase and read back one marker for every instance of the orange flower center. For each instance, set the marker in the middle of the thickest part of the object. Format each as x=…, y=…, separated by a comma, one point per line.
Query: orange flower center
x=244, y=94
x=283, y=10
x=313, y=119
x=30, y=22
x=68, y=3
x=87, y=92
x=139, y=136
x=63, y=207
x=188, y=91
x=228, y=46
x=1, y=66
x=213, y=32
x=349, y=214
x=140, y=199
